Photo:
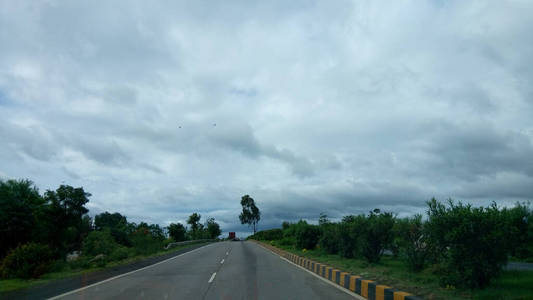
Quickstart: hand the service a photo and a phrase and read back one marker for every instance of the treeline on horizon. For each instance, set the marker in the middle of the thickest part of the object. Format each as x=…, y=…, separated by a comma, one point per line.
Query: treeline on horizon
x=37, y=232
x=464, y=246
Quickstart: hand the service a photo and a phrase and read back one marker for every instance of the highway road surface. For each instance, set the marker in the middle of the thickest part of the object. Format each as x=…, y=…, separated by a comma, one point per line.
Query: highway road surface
x=224, y=270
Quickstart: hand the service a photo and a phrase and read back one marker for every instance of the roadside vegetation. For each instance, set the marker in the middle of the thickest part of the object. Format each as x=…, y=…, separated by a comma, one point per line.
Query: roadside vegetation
x=455, y=252
x=51, y=235
x=61, y=270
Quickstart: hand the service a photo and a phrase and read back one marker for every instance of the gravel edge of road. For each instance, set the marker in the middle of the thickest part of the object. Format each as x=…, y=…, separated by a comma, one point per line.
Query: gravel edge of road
x=61, y=286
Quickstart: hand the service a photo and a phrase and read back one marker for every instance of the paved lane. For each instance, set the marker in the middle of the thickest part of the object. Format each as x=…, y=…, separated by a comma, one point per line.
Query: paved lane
x=225, y=270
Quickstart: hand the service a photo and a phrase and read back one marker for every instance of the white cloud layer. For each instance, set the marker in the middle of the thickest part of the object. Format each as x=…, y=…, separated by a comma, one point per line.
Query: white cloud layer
x=327, y=106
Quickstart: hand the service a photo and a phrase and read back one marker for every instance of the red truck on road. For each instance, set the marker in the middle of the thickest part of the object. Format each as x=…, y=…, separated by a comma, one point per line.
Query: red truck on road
x=232, y=236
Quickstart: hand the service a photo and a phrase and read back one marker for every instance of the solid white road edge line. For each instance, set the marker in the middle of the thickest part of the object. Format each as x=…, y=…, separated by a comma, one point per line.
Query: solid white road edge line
x=222, y=261
x=122, y=275
x=320, y=277
x=212, y=277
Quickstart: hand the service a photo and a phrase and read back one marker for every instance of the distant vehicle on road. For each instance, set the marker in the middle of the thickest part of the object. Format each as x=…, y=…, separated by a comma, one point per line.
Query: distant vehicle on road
x=231, y=236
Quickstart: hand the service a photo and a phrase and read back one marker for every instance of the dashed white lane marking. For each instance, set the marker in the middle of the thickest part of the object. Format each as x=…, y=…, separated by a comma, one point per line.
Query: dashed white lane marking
x=227, y=253
x=125, y=274
x=222, y=261
x=212, y=277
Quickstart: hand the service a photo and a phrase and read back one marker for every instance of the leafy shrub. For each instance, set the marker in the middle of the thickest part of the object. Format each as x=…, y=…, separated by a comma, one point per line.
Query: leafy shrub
x=121, y=237
x=120, y=253
x=99, y=242
x=177, y=231
x=412, y=241
x=306, y=235
x=144, y=243
x=58, y=265
x=376, y=234
x=81, y=263
x=27, y=261
x=349, y=231
x=268, y=235
x=472, y=242
x=287, y=241
x=519, y=228
x=329, y=237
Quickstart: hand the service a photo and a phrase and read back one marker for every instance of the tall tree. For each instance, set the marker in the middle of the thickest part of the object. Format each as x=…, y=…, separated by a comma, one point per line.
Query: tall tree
x=65, y=211
x=176, y=231
x=20, y=204
x=106, y=219
x=194, y=221
x=213, y=229
x=250, y=213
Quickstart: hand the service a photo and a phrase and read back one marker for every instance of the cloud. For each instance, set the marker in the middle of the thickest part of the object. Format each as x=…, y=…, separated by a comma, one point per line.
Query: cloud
x=337, y=108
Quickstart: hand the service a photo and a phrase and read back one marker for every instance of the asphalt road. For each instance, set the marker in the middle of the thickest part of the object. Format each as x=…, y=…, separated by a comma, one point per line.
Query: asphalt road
x=224, y=270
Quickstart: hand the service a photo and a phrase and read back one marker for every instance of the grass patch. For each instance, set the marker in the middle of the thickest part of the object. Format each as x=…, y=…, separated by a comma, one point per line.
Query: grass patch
x=393, y=272
x=66, y=271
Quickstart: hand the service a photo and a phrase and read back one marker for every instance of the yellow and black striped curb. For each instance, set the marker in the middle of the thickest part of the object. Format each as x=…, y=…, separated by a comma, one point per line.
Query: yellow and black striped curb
x=366, y=288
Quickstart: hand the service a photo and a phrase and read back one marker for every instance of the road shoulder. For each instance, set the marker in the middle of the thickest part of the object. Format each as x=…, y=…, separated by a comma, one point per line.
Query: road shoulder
x=61, y=286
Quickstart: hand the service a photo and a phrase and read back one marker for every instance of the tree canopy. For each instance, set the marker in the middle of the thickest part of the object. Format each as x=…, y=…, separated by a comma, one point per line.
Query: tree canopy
x=250, y=213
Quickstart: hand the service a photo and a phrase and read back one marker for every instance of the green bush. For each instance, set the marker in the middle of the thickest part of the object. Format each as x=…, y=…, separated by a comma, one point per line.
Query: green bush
x=306, y=235
x=376, y=234
x=519, y=229
x=412, y=241
x=268, y=235
x=27, y=261
x=329, y=237
x=99, y=242
x=350, y=231
x=81, y=263
x=58, y=265
x=120, y=253
x=121, y=237
x=287, y=241
x=144, y=243
x=472, y=241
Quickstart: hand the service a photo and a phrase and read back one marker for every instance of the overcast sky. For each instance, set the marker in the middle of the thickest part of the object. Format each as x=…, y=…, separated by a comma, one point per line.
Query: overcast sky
x=329, y=106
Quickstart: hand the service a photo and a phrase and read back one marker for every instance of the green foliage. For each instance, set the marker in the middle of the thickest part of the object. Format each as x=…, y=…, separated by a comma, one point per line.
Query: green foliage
x=64, y=212
x=306, y=235
x=268, y=235
x=147, y=239
x=519, y=229
x=108, y=220
x=27, y=261
x=250, y=213
x=196, y=227
x=329, y=237
x=411, y=238
x=212, y=228
x=19, y=205
x=376, y=234
x=121, y=237
x=120, y=253
x=287, y=241
x=285, y=225
x=349, y=235
x=99, y=242
x=176, y=231
x=472, y=242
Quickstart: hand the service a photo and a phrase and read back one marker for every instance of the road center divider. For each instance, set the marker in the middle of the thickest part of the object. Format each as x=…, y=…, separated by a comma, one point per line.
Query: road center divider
x=365, y=288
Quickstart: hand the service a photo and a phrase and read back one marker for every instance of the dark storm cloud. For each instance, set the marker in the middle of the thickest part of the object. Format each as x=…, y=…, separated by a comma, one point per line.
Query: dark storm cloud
x=470, y=151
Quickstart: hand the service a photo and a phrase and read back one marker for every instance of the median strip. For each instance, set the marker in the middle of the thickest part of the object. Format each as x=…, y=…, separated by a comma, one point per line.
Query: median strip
x=366, y=288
